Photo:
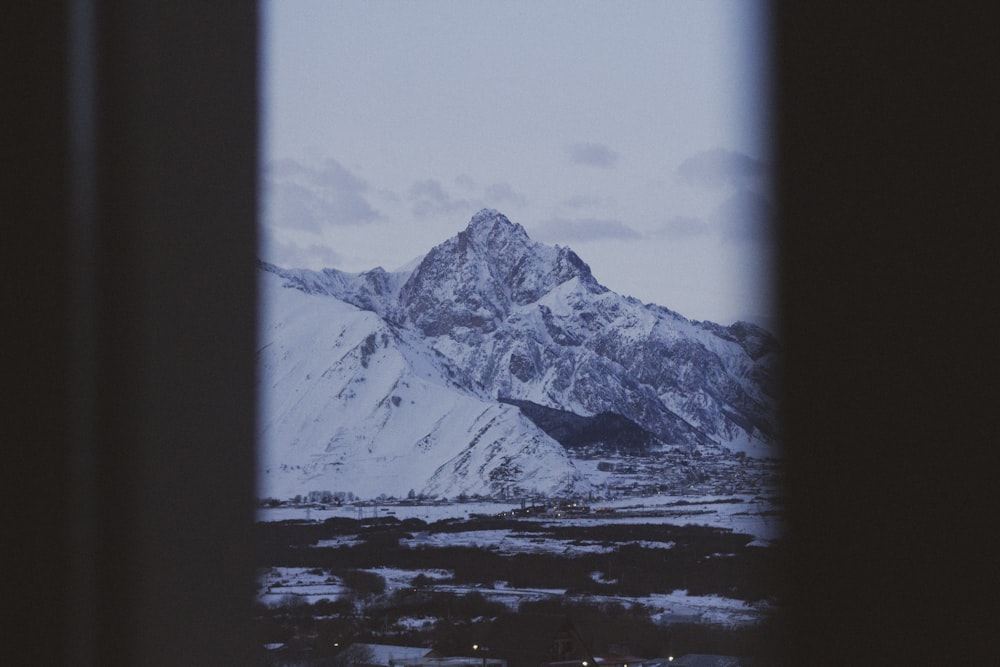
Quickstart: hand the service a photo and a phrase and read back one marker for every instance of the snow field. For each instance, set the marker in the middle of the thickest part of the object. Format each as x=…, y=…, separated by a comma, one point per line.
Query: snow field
x=746, y=517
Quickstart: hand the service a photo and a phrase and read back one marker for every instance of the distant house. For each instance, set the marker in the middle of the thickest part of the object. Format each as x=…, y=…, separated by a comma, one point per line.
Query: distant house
x=569, y=648
x=610, y=661
x=624, y=661
x=387, y=655
x=273, y=654
x=708, y=660
x=383, y=655
x=572, y=651
x=452, y=661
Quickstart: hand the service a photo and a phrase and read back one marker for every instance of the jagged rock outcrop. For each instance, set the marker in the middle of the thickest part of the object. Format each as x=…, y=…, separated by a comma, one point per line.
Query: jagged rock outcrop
x=488, y=315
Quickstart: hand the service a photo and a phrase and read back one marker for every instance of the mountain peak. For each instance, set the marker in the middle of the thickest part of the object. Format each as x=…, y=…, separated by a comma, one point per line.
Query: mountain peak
x=488, y=216
x=489, y=222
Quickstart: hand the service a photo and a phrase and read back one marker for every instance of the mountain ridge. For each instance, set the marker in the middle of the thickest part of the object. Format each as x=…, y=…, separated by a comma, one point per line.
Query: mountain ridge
x=491, y=315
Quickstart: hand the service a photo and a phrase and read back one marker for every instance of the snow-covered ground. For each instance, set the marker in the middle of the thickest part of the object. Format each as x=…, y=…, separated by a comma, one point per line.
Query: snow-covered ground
x=751, y=515
x=282, y=585
x=285, y=585
x=744, y=514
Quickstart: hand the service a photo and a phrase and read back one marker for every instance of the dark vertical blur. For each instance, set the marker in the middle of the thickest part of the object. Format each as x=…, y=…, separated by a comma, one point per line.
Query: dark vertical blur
x=36, y=337
x=886, y=127
x=134, y=178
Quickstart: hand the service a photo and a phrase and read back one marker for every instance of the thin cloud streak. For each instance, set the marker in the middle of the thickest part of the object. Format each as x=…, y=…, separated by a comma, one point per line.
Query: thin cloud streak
x=680, y=228
x=720, y=168
x=583, y=230
x=589, y=201
x=503, y=193
x=291, y=254
x=592, y=155
x=308, y=198
x=430, y=198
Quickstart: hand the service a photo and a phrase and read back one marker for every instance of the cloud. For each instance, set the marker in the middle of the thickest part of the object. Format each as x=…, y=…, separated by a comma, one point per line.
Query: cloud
x=502, y=193
x=429, y=198
x=465, y=182
x=744, y=217
x=335, y=176
x=314, y=255
x=588, y=201
x=285, y=168
x=292, y=255
x=592, y=155
x=718, y=168
x=583, y=229
x=387, y=195
x=681, y=227
x=309, y=198
x=293, y=206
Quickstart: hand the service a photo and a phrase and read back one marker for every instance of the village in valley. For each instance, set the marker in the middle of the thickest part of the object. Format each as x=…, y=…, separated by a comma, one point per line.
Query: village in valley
x=633, y=575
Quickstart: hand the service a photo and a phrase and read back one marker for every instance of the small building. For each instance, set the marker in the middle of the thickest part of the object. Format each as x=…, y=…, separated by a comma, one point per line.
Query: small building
x=708, y=660
x=388, y=655
x=608, y=661
x=383, y=655
x=623, y=661
x=451, y=661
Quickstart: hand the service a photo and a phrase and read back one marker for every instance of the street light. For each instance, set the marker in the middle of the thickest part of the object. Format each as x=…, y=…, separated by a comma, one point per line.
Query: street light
x=483, y=649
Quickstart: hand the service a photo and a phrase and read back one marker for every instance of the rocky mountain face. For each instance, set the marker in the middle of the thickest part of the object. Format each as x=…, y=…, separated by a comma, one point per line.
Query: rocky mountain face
x=448, y=378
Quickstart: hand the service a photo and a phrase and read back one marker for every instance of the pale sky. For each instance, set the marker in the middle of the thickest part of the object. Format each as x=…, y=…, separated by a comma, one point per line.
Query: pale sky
x=635, y=133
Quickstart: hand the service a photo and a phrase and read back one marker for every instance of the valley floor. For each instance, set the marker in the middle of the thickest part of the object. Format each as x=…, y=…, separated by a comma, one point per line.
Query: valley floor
x=443, y=554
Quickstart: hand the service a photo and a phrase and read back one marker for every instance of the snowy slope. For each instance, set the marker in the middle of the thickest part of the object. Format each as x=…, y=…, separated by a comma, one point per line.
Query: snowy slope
x=346, y=406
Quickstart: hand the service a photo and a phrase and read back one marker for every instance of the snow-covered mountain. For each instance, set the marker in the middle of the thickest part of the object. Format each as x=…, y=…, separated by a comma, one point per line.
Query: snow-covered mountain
x=382, y=382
